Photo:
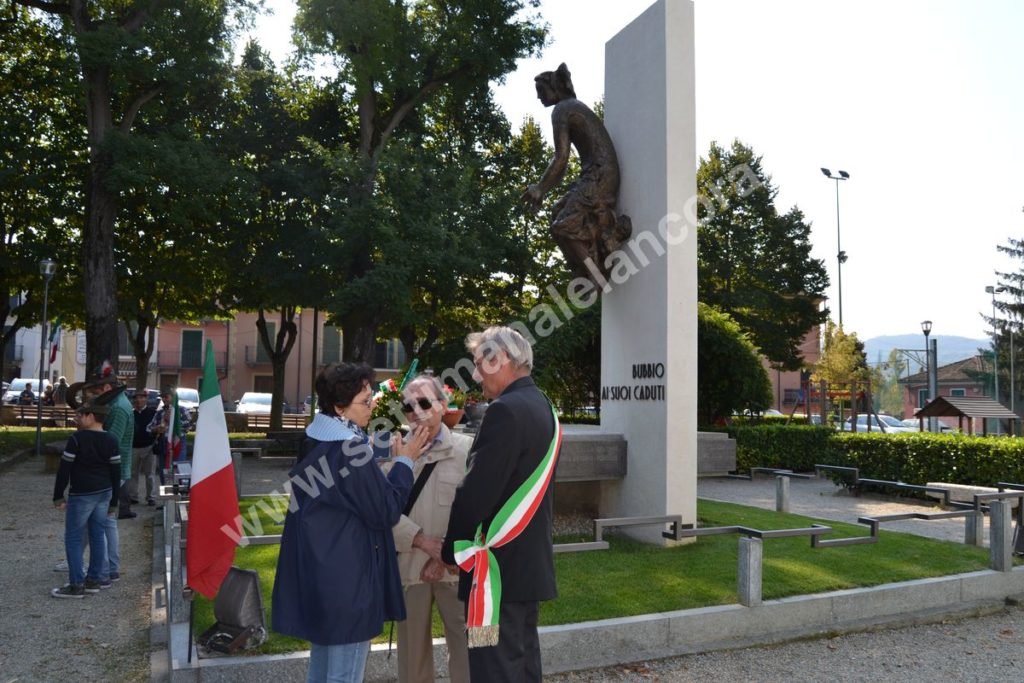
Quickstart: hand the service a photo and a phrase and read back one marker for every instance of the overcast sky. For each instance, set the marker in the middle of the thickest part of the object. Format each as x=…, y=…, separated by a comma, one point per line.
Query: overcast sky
x=919, y=100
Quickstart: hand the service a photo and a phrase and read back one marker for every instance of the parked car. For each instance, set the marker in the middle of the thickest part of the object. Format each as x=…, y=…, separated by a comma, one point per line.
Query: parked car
x=915, y=425
x=188, y=398
x=891, y=424
x=152, y=396
x=14, y=389
x=255, y=403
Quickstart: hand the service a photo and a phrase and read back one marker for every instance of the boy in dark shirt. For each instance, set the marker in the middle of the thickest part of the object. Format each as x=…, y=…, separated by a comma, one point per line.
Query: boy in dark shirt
x=92, y=465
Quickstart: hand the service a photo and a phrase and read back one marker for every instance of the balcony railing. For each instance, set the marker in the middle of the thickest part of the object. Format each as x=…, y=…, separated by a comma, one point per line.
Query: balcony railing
x=127, y=366
x=187, y=359
x=256, y=355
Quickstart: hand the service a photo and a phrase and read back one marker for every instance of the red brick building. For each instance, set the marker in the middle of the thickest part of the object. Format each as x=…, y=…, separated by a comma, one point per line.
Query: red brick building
x=968, y=377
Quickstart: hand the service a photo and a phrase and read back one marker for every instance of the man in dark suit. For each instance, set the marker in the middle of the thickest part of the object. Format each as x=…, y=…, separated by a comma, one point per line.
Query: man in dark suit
x=518, y=437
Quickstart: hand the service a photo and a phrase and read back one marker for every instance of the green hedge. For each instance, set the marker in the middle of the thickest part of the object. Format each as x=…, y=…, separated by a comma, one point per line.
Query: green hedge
x=913, y=458
x=797, y=447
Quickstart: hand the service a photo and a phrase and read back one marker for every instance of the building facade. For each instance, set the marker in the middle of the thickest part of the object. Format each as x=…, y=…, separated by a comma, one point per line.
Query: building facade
x=242, y=362
x=969, y=377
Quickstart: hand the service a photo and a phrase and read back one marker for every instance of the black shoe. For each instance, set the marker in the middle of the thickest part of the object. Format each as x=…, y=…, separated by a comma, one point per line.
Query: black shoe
x=69, y=591
x=115, y=576
x=94, y=585
x=127, y=514
x=135, y=501
x=150, y=502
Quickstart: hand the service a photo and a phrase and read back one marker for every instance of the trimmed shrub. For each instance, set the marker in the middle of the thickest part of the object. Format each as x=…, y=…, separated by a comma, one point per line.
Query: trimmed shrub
x=795, y=447
x=912, y=458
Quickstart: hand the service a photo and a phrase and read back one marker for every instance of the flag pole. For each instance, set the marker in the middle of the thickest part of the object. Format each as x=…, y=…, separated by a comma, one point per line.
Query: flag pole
x=191, y=619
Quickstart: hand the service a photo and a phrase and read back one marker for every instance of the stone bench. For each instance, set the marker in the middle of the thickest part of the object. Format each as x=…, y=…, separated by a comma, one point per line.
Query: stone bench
x=962, y=493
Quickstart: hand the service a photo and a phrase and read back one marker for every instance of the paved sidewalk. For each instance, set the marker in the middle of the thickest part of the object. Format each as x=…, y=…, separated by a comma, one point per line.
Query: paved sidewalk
x=821, y=498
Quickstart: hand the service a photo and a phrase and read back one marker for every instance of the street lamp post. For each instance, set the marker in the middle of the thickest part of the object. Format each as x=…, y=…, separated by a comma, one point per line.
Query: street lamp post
x=840, y=254
x=995, y=345
x=926, y=328
x=47, y=268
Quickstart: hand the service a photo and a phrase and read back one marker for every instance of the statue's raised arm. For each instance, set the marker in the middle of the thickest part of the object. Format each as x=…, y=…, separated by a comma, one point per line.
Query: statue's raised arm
x=584, y=222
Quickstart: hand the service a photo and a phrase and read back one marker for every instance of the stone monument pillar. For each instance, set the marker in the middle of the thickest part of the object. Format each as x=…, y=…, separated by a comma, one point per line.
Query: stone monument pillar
x=649, y=306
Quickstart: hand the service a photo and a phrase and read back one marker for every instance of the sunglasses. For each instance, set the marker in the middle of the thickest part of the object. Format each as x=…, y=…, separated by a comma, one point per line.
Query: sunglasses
x=423, y=403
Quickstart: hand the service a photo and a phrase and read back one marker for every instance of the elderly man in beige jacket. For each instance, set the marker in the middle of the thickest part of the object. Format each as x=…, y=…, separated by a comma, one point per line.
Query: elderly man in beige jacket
x=418, y=536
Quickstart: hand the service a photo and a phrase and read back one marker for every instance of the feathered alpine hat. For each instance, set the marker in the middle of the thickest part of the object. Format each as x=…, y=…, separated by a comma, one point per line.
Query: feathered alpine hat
x=102, y=375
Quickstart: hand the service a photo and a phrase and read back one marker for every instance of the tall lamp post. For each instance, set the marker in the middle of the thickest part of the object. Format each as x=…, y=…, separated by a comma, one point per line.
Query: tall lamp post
x=840, y=254
x=995, y=345
x=926, y=328
x=47, y=267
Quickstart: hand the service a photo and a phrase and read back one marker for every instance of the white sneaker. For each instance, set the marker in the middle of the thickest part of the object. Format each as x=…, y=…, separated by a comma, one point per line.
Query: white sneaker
x=61, y=566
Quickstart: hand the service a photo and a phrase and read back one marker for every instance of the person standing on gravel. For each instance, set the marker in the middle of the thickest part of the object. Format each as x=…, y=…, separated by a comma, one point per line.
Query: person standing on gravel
x=103, y=388
x=91, y=464
x=142, y=450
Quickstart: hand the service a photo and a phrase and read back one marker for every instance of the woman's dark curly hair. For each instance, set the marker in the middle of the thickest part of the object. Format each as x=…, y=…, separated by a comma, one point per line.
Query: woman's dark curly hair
x=339, y=383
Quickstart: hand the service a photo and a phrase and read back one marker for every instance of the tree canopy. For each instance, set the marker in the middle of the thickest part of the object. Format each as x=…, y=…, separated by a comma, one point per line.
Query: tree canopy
x=394, y=58
x=753, y=262
x=730, y=376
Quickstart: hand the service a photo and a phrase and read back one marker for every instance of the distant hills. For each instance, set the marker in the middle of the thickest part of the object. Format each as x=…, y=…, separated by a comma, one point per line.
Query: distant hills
x=949, y=348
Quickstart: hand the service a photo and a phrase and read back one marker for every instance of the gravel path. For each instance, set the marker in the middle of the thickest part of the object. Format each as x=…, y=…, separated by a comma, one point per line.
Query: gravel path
x=104, y=637
x=989, y=648
x=821, y=498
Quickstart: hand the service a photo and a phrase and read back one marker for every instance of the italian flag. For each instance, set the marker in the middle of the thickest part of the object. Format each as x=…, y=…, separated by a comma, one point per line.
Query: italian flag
x=174, y=433
x=213, y=501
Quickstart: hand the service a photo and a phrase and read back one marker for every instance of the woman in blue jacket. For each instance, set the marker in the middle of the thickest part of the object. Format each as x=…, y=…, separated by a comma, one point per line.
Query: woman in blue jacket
x=337, y=577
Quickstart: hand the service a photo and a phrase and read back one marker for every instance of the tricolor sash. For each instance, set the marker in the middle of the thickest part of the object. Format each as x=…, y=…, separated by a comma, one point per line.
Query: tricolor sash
x=476, y=556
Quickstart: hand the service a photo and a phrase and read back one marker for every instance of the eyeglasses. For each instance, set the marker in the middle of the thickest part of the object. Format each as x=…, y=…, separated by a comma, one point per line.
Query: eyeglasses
x=423, y=403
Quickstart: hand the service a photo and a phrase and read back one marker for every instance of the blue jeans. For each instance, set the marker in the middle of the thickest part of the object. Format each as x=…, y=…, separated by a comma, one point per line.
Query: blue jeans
x=86, y=514
x=337, y=663
x=113, y=542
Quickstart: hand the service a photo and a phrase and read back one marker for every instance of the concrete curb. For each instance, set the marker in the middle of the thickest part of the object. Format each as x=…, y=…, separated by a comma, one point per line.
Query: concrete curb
x=588, y=645
x=15, y=458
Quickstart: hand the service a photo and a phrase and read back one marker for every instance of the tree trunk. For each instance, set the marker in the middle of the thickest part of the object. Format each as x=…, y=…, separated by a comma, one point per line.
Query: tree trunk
x=359, y=339
x=100, y=282
x=142, y=347
x=277, y=402
x=7, y=337
x=278, y=349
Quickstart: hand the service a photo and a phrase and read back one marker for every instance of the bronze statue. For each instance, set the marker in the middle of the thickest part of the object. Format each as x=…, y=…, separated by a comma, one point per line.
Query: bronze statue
x=584, y=222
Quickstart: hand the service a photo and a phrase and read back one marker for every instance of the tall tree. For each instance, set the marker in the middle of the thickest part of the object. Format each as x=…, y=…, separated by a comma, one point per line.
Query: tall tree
x=887, y=390
x=41, y=170
x=128, y=54
x=281, y=252
x=842, y=362
x=395, y=56
x=1010, y=312
x=753, y=262
x=178, y=189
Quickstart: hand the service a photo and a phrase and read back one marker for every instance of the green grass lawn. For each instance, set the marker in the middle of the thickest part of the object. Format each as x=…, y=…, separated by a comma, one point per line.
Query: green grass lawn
x=14, y=439
x=633, y=578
